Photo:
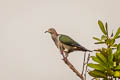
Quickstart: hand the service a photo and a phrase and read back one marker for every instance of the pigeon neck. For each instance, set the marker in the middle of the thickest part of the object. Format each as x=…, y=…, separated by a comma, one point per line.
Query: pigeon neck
x=55, y=33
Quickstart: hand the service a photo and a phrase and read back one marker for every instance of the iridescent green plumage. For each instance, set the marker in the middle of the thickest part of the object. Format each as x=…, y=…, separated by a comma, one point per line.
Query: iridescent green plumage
x=68, y=41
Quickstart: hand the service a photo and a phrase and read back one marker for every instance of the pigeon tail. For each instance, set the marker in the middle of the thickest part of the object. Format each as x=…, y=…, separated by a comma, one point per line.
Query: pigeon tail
x=83, y=49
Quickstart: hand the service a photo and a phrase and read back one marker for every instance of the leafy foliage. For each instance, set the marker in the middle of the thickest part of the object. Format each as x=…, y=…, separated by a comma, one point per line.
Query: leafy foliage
x=97, y=74
x=107, y=59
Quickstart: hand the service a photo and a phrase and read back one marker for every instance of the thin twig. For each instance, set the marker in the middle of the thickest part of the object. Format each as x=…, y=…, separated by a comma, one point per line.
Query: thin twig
x=73, y=68
x=83, y=63
x=88, y=58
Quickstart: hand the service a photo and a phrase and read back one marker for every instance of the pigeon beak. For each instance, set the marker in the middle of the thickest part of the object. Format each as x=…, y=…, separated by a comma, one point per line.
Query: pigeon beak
x=45, y=31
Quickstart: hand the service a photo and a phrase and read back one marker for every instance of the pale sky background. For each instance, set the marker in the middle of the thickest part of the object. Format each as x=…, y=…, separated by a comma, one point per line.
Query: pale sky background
x=26, y=53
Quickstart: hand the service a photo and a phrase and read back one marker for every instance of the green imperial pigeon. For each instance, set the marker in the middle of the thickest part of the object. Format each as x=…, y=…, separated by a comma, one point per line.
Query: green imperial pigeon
x=64, y=43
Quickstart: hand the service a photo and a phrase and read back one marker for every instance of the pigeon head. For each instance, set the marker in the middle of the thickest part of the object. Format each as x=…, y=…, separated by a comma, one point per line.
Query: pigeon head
x=51, y=31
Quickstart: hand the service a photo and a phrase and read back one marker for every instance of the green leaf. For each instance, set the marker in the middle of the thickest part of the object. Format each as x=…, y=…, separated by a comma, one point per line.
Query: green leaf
x=97, y=74
x=105, y=79
x=95, y=38
x=118, y=67
x=103, y=37
x=106, y=26
x=110, y=57
x=118, y=50
x=108, y=41
x=114, y=45
x=117, y=74
x=117, y=33
x=96, y=66
x=114, y=64
x=101, y=57
x=102, y=27
x=103, y=52
x=112, y=42
x=100, y=42
x=112, y=34
x=97, y=79
x=97, y=60
x=118, y=37
x=118, y=47
x=117, y=54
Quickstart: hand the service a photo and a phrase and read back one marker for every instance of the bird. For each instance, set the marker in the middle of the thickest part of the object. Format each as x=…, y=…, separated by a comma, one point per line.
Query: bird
x=65, y=43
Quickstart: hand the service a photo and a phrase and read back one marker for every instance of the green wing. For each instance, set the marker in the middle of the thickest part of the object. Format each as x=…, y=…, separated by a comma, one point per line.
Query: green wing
x=68, y=41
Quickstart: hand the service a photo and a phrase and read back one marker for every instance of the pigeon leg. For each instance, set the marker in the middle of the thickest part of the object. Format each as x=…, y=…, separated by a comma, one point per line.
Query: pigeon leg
x=64, y=57
x=66, y=54
x=62, y=54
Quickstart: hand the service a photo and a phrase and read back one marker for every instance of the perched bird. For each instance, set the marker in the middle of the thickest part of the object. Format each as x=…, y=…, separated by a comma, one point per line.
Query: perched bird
x=64, y=43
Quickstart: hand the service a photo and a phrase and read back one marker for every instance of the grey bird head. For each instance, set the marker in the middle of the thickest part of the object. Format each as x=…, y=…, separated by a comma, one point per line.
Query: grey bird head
x=51, y=31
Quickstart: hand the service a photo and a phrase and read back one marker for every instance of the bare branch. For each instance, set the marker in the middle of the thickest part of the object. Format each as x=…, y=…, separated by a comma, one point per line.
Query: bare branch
x=83, y=63
x=73, y=68
x=88, y=58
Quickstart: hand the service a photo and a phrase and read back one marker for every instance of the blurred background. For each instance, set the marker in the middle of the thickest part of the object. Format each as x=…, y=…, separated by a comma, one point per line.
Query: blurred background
x=26, y=53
